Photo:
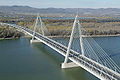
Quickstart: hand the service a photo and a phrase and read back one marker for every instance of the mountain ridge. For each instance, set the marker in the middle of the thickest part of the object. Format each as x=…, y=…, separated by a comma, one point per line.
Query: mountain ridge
x=82, y=11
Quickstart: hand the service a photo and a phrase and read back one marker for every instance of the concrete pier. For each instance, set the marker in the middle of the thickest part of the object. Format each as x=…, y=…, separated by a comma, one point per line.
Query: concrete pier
x=34, y=41
x=69, y=65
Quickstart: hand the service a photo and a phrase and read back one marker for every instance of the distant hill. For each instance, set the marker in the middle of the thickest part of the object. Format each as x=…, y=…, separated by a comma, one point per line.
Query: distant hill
x=82, y=11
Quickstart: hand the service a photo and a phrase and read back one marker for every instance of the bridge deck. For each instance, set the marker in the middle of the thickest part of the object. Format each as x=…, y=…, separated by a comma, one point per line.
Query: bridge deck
x=91, y=66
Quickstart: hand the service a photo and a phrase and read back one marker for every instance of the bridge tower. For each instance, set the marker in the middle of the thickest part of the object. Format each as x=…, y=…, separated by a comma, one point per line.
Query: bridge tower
x=76, y=25
x=37, y=24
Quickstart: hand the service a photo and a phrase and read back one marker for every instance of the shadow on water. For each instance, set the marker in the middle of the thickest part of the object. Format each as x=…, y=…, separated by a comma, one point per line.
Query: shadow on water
x=48, y=52
x=77, y=74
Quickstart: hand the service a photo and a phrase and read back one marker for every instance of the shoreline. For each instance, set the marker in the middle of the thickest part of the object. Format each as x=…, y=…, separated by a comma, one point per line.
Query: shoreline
x=15, y=38
x=87, y=36
x=7, y=38
x=94, y=36
x=102, y=35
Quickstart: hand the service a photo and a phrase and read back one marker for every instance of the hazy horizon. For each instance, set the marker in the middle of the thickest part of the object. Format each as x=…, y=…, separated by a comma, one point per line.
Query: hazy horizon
x=57, y=7
x=63, y=3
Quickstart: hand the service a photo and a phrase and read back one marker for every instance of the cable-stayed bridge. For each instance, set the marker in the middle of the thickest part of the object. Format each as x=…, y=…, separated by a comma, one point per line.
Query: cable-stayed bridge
x=94, y=60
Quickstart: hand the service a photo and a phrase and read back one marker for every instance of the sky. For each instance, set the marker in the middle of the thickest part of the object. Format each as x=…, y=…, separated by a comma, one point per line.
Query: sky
x=63, y=3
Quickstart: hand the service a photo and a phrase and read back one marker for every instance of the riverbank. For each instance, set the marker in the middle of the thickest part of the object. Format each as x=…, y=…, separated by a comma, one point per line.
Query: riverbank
x=26, y=36
x=9, y=33
x=7, y=38
x=87, y=36
x=101, y=35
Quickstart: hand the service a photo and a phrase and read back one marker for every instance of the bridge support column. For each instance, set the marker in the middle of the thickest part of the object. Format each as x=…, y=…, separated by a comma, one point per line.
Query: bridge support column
x=76, y=26
x=65, y=64
x=35, y=28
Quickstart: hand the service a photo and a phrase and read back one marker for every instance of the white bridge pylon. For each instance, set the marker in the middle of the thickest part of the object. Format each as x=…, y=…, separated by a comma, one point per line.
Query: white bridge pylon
x=38, y=23
x=76, y=25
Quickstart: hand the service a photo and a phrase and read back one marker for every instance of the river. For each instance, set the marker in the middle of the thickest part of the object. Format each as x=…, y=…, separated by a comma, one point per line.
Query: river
x=20, y=60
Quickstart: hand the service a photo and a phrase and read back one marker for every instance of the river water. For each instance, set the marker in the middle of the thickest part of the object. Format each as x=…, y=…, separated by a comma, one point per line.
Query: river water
x=20, y=60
